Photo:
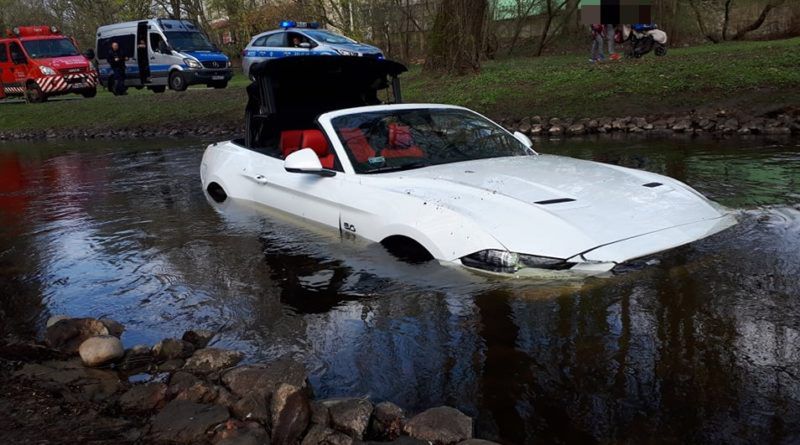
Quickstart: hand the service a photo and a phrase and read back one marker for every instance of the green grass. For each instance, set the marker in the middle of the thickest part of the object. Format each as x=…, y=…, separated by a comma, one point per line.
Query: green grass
x=746, y=76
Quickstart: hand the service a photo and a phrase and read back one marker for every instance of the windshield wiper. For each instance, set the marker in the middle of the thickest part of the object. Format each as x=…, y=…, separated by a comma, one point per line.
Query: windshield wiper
x=394, y=168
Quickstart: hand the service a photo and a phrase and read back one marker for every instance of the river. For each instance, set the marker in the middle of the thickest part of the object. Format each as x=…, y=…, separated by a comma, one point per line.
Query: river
x=702, y=345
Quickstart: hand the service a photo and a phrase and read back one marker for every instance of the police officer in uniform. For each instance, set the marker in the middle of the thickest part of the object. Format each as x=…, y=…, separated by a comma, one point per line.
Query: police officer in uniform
x=117, y=61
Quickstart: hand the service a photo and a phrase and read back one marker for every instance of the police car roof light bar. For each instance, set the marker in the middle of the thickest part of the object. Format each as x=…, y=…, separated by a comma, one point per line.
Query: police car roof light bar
x=286, y=24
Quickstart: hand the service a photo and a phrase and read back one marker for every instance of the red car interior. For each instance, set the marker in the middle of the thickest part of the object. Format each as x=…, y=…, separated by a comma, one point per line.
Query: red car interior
x=401, y=143
x=293, y=140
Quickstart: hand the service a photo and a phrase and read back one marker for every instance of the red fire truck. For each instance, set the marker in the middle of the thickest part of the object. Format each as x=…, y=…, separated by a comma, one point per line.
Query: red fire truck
x=38, y=62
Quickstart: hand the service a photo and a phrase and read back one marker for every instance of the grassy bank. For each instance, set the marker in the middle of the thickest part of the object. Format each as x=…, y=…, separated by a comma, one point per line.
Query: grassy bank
x=749, y=76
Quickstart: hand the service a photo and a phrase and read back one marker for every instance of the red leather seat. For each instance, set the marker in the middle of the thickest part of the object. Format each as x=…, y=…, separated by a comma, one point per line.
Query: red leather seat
x=315, y=140
x=357, y=143
x=290, y=141
x=401, y=143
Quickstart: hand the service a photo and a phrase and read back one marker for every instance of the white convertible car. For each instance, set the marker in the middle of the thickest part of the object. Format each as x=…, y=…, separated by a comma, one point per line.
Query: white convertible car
x=440, y=181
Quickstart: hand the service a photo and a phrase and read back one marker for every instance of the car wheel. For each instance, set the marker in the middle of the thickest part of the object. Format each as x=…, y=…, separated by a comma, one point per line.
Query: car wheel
x=176, y=81
x=158, y=89
x=661, y=51
x=219, y=85
x=34, y=93
x=89, y=93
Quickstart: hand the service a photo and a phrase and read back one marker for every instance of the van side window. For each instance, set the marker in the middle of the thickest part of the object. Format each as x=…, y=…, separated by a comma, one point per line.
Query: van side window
x=127, y=45
x=155, y=40
x=275, y=40
x=16, y=51
x=3, y=52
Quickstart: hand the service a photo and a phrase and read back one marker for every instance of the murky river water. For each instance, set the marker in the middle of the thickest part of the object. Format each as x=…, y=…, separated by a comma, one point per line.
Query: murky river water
x=702, y=347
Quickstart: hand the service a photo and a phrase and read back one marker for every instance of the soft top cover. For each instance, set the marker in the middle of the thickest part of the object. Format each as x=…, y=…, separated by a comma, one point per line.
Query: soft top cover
x=314, y=85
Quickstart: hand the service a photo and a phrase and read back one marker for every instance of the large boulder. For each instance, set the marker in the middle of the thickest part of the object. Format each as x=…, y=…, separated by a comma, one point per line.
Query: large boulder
x=387, y=421
x=264, y=379
x=252, y=407
x=185, y=422
x=199, y=338
x=91, y=384
x=290, y=413
x=66, y=335
x=209, y=360
x=200, y=392
x=114, y=327
x=322, y=435
x=442, y=426
x=351, y=416
x=101, y=350
x=171, y=349
x=144, y=398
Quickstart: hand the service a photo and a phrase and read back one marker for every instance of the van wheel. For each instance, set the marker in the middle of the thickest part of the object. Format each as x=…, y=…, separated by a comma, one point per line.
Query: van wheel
x=89, y=93
x=176, y=81
x=158, y=89
x=34, y=93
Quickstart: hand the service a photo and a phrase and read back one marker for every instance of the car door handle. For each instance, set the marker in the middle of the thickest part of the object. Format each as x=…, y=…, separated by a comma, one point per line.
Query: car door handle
x=259, y=179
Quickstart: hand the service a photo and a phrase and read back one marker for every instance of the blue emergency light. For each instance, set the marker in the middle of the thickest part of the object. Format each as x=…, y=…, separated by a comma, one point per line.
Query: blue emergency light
x=286, y=24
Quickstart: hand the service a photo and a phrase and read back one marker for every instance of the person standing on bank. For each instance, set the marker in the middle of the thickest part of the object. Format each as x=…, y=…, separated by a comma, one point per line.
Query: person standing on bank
x=596, y=53
x=117, y=61
x=141, y=59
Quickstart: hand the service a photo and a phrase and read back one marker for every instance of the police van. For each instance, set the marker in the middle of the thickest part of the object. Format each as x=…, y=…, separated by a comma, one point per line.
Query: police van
x=162, y=53
x=38, y=62
x=302, y=39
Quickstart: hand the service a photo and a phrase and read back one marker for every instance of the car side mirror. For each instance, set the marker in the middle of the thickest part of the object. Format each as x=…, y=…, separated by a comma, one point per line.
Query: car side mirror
x=305, y=161
x=305, y=45
x=524, y=139
x=89, y=54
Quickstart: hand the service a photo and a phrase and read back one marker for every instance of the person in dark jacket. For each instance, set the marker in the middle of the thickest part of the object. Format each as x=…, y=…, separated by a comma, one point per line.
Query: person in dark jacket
x=117, y=62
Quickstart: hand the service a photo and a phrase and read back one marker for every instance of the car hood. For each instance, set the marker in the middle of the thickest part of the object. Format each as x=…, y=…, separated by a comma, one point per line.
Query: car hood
x=556, y=206
x=357, y=47
x=207, y=56
x=65, y=62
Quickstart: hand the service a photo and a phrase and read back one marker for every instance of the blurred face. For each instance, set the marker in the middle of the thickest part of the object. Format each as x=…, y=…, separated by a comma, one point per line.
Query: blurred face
x=296, y=40
x=115, y=46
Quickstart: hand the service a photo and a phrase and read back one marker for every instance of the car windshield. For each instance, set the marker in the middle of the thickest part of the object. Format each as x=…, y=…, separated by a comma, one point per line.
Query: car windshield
x=392, y=140
x=47, y=48
x=188, y=41
x=328, y=37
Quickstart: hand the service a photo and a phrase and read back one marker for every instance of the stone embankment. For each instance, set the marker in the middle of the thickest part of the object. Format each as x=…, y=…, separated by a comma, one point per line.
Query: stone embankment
x=721, y=122
x=183, y=391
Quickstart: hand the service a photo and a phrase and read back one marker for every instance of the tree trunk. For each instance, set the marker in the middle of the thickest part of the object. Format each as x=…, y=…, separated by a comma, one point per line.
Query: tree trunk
x=455, y=41
x=757, y=23
x=701, y=23
x=726, y=19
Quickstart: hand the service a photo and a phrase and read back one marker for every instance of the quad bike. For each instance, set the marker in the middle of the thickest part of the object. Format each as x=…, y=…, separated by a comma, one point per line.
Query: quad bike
x=643, y=39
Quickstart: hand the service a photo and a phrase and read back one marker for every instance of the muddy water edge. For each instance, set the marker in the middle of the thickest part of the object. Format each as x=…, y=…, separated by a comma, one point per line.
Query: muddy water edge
x=700, y=345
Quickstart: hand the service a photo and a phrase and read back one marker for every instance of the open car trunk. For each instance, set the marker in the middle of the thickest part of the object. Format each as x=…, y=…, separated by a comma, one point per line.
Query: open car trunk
x=291, y=92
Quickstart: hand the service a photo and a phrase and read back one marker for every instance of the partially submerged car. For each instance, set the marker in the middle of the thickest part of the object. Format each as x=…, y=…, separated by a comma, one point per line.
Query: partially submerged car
x=328, y=140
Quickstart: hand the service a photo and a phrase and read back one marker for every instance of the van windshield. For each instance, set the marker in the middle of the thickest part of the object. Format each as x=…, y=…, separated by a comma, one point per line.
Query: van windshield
x=47, y=48
x=188, y=41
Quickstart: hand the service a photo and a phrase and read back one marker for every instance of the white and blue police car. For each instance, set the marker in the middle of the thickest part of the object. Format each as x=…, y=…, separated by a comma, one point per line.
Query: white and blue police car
x=302, y=39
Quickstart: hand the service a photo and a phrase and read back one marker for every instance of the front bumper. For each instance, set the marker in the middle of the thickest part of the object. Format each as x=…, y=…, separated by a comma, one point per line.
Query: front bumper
x=67, y=83
x=207, y=75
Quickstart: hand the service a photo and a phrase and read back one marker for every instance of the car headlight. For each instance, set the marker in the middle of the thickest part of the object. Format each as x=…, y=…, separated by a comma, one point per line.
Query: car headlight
x=191, y=63
x=229, y=64
x=344, y=52
x=509, y=262
x=47, y=71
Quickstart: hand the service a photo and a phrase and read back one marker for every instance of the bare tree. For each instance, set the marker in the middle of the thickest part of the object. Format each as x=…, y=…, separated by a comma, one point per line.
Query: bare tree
x=456, y=39
x=709, y=12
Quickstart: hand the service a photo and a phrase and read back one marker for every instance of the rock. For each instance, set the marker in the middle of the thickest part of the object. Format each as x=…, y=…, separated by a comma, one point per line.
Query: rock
x=208, y=360
x=555, y=122
x=264, y=379
x=290, y=412
x=731, y=124
x=244, y=436
x=639, y=122
x=777, y=131
x=536, y=130
x=199, y=392
x=555, y=130
x=100, y=350
x=477, y=442
x=199, y=338
x=387, y=421
x=67, y=335
x=350, y=416
x=144, y=398
x=186, y=422
x=682, y=126
x=171, y=365
x=743, y=131
x=115, y=328
x=320, y=415
x=91, y=384
x=442, y=425
x=536, y=120
x=648, y=127
x=225, y=398
x=55, y=319
x=402, y=440
x=252, y=407
x=137, y=357
x=322, y=435
x=576, y=129
x=180, y=382
x=171, y=349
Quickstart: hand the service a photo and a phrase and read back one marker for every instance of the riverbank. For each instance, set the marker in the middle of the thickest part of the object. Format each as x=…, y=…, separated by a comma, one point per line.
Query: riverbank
x=80, y=386
x=746, y=80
